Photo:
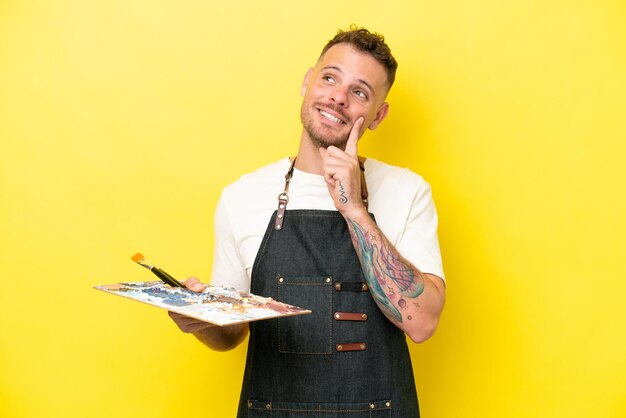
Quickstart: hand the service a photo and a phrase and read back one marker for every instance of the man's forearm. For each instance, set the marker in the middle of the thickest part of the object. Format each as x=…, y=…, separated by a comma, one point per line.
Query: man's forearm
x=410, y=299
x=223, y=338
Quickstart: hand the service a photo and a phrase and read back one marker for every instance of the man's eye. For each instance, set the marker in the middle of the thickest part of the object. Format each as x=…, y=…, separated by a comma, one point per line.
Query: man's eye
x=361, y=94
x=328, y=78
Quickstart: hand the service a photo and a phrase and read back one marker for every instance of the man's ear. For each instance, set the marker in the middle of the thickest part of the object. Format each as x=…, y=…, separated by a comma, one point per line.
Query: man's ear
x=305, y=82
x=381, y=114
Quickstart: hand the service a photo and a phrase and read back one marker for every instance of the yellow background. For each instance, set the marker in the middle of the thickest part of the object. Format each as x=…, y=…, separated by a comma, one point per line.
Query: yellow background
x=120, y=122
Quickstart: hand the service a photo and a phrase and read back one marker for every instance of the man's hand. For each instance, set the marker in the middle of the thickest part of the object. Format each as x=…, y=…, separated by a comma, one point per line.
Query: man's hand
x=186, y=323
x=342, y=173
x=215, y=337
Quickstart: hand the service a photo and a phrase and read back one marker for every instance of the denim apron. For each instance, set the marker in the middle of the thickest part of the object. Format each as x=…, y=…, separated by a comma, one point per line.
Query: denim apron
x=346, y=359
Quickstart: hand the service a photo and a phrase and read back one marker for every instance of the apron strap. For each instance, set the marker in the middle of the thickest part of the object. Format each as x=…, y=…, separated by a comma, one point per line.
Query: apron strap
x=283, y=197
x=364, y=193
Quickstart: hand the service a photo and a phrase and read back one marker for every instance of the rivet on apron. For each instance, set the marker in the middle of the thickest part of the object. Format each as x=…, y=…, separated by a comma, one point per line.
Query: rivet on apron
x=362, y=346
x=387, y=404
x=328, y=280
x=339, y=347
x=372, y=406
x=337, y=316
x=280, y=280
x=249, y=404
x=337, y=286
x=364, y=287
x=364, y=316
x=268, y=406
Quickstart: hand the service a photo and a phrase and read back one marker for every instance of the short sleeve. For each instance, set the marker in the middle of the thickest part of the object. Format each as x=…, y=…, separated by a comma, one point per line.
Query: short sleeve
x=228, y=269
x=419, y=243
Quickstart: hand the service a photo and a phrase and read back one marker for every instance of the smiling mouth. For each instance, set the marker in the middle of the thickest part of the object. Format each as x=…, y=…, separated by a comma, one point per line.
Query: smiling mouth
x=331, y=117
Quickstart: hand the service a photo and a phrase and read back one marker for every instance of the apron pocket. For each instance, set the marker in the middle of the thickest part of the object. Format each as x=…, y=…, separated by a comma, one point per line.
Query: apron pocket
x=374, y=409
x=311, y=333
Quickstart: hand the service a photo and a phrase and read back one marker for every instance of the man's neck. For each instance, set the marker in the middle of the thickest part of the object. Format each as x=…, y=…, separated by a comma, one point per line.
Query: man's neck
x=309, y=159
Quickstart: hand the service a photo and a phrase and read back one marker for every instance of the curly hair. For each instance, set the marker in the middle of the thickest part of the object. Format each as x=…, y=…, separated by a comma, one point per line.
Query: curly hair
x=371, y=43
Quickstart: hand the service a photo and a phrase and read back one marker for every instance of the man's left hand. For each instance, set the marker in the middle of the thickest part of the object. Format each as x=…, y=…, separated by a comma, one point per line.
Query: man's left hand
x=342, y=172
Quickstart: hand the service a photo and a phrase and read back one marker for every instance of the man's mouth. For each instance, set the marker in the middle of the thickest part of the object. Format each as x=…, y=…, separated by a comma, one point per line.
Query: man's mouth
x=330, y=117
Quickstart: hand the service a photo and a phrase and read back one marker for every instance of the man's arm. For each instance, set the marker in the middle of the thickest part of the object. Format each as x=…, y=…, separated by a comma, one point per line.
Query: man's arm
x=214, y=337
x=413, y=301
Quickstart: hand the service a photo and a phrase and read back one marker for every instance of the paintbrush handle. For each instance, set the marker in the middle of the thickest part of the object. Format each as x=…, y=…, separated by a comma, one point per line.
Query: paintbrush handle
x=166, y=277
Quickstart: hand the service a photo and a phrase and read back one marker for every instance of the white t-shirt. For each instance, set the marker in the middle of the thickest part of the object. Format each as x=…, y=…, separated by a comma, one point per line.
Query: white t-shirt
x=400, y=200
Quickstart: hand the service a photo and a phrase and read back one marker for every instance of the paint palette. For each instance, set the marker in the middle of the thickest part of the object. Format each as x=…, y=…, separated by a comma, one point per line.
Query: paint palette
x=216, y=305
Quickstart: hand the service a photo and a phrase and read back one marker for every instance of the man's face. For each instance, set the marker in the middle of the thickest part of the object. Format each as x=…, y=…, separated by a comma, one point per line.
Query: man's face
x=344, y=85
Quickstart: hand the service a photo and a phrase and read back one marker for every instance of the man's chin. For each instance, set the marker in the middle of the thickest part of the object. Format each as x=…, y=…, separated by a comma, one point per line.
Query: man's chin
x=321, y=137
x=325, y=144
x=322, y=142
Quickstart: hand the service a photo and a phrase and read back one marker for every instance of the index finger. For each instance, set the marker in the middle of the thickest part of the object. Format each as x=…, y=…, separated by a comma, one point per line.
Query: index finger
x=353, y=138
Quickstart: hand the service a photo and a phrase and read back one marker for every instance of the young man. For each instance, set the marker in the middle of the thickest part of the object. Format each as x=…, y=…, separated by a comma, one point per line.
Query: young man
x=369, y=280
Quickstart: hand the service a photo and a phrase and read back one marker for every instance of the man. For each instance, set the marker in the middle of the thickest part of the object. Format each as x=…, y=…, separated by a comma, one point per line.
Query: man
x=369, y=280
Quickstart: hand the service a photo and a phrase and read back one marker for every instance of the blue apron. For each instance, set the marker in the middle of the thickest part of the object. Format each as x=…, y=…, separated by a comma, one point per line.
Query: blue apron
x=346, y=359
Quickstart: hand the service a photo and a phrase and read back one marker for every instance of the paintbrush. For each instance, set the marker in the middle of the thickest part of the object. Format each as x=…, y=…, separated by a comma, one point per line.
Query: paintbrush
x=141, y=260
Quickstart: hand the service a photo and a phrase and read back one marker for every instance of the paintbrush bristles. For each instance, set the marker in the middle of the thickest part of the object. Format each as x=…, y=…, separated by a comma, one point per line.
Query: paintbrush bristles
x=141, y=260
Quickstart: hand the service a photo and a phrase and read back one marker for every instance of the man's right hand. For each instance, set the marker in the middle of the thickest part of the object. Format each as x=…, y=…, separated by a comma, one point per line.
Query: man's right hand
x=193, y=283
x=215, y=337
x=187, y=323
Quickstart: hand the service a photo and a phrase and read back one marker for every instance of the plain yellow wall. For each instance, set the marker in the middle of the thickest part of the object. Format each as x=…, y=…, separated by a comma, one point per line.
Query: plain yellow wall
x=120, y=122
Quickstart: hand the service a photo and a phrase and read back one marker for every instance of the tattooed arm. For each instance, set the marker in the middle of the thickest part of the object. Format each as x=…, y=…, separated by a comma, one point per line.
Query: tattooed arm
x=412, y=300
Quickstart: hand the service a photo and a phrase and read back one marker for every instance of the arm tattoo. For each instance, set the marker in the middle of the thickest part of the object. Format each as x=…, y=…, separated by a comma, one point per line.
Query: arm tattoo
x=382, y=268
x=342, y=194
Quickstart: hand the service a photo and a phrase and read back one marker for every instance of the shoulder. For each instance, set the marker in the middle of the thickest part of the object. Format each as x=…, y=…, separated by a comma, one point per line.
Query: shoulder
x=265, y=180
x=387, y=178
x=249, y=201
x=274, y=171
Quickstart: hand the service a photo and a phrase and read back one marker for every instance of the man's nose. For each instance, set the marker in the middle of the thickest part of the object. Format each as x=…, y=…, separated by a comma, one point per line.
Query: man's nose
x=339, y=96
